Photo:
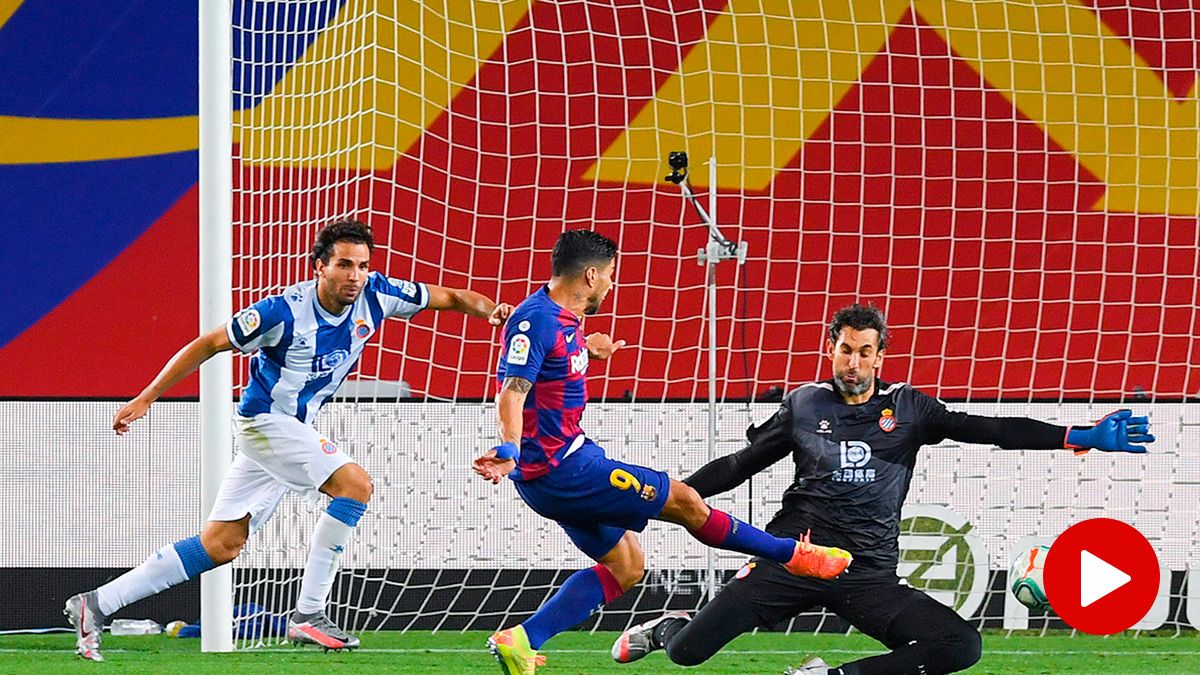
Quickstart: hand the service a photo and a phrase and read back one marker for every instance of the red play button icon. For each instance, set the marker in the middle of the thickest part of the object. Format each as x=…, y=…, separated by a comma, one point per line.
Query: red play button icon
x=1101, y=576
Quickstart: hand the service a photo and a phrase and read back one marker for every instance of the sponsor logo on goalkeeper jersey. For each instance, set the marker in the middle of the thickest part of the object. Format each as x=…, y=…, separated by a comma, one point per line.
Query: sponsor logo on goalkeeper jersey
x=887, y=420
x=518, y=350
x=249, y=321
x=855, y=457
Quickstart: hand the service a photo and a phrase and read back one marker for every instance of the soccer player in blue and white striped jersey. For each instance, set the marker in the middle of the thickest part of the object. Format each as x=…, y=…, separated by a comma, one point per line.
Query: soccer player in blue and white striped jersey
x=304, y=341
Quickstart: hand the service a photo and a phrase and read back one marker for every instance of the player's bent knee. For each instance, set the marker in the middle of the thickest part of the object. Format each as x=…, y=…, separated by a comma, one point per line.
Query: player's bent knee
x=687, y=653
x=953, y=649
x=223, y=541
x=630, y=576
x=350, y=481
x=227, y=550
x=685, y=506
x=627, y=572
x=961, y=650
x=686, y=495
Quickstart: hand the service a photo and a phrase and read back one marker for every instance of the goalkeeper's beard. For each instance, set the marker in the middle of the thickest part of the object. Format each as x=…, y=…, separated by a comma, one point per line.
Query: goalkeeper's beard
x=850, y=390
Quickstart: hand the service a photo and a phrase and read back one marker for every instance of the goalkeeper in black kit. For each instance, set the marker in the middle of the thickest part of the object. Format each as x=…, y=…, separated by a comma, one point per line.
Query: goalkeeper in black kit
x=854, y=440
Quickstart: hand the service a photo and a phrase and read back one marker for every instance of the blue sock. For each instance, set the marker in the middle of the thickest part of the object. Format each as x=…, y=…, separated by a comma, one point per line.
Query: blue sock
x=722, y=530
x=195, y=559
x=583, y=593
x=347, y=510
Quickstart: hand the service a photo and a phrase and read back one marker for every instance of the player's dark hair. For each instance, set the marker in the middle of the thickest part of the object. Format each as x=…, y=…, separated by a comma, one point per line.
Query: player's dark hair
x=859, y=317
x=353, y=231
x=575, y=250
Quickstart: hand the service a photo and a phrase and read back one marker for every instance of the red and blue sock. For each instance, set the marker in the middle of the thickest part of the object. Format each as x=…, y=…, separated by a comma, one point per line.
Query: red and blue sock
x=722, y=530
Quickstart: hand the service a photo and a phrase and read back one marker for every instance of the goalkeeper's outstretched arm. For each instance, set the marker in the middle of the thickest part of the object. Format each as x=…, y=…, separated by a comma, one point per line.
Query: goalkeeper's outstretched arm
x=1118, y=431
x=769, y=443
x=182, y=364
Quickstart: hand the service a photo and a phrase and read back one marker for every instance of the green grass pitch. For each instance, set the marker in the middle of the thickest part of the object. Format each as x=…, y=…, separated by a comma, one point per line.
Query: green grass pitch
x=583, y=653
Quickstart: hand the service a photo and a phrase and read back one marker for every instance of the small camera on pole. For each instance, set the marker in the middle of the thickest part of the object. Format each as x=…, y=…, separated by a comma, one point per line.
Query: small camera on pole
x=719, y=248
x=678, y=162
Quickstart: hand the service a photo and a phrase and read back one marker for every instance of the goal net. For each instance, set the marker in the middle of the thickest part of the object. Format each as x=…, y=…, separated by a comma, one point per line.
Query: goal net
x=1014, y=183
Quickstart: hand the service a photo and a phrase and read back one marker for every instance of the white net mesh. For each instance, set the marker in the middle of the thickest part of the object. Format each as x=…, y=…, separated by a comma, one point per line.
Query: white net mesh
x=1015, y=183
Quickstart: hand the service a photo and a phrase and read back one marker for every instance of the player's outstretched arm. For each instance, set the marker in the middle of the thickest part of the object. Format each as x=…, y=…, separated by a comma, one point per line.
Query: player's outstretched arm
x=470, y=303
x=1117, y=431
x=769, y=443
x=510, y=405
x=184, y=363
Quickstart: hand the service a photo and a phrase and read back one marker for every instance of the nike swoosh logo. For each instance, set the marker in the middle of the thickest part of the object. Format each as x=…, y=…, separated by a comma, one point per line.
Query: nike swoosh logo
x=571, y=337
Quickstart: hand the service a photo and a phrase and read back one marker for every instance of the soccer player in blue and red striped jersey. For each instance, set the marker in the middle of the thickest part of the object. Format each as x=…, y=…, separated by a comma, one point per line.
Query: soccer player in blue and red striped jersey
x=562, y=475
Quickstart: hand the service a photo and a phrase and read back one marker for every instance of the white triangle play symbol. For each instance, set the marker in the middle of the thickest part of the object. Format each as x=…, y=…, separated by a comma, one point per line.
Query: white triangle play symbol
x=1097, y=578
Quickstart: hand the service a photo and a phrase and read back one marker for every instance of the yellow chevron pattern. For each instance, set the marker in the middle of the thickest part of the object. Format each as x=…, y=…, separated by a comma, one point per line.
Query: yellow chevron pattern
x=762, y=82
x=398, y=64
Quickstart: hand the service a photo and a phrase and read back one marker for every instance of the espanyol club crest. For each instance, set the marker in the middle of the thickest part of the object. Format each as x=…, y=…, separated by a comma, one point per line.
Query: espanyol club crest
x=361, y=329
x=887, y=420
x=327, y=447
x=745, y=571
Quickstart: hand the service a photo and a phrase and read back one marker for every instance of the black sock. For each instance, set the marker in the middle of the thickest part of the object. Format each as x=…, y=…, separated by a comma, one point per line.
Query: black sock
x=665, y=630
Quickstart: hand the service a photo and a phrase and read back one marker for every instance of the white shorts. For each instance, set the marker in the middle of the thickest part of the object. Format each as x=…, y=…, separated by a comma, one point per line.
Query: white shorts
x=276, y=453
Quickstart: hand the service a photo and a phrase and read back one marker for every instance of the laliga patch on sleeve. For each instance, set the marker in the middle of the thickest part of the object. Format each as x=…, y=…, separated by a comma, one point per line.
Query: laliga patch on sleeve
x=249, y=321
x=518, y=350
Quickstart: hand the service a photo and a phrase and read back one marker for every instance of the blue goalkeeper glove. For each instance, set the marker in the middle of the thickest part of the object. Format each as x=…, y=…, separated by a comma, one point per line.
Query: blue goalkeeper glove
x=1116, y=432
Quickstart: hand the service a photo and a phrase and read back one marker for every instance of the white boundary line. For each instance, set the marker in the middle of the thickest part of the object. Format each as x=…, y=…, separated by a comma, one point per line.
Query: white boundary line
x=739, y=652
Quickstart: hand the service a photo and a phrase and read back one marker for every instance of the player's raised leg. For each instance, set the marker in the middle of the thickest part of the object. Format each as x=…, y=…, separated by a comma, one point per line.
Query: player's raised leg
x=350, y=486
x=718, y=529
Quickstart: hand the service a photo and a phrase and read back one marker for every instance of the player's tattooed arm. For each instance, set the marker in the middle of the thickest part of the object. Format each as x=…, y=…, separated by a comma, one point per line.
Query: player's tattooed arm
x=510, y=407
x=517, y=384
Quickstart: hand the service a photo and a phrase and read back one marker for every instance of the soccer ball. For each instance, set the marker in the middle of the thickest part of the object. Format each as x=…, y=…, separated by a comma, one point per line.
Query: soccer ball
x=1025, y=578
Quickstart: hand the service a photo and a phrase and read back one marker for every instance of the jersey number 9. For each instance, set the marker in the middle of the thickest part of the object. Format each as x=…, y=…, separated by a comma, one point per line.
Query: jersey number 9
x=623, y=480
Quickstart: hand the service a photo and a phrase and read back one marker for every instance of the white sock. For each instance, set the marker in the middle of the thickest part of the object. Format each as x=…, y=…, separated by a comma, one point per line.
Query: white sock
x=162, y=570
x=328, y=541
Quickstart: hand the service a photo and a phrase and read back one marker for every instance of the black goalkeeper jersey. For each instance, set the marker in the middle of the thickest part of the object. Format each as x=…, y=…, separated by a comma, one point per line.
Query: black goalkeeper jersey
x=854, y=463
